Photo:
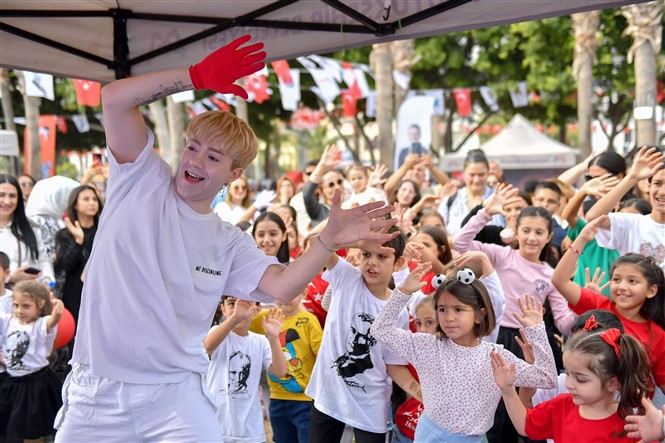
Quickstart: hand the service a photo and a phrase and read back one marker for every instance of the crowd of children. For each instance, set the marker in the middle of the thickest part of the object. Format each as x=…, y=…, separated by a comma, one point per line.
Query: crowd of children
x=413, y=321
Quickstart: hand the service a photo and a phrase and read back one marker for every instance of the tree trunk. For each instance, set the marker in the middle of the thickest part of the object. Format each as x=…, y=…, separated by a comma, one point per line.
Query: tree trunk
x=646, y=27
x=162, y=139
x=8, y=113
x=585, y=25
x=402, y=54
x=31, y=105
x=176, y=117
x=241, y=109
x=381, y=62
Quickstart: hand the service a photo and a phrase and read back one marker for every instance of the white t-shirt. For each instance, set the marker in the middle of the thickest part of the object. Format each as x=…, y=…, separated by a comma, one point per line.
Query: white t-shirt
x=228, y=213
x=354, y=389
x=5, y=308
x=233, y=378
x=10, y=246
x=634, y=233
x=25, y=348
x=156, y=274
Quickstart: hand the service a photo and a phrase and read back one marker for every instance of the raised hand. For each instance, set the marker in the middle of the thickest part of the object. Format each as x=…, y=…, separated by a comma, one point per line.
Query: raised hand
x=599, y=186
x=532, y=311
x=646, y=163
x=494, y=203
x=75, y=229
x=329, y=158
x=589, y=232
x=594, y=283
x=346, y=227
x=227, y=64
x=244, y=310
x=527, y=349
x=475, y=257
x=504, y=374
x=412, y=282
x=272, y=323
x=647, y=427
x=376, y=176
x=264, y=199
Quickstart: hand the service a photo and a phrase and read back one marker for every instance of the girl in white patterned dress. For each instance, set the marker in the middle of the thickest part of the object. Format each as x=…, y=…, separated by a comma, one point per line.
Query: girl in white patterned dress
x=459, y=393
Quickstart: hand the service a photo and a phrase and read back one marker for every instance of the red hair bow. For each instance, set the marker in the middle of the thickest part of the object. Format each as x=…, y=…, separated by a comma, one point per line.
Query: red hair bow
x=611, y=337
x=590, y=324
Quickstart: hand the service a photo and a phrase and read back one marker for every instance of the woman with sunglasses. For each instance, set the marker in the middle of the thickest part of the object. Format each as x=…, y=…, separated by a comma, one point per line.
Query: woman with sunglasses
x=327, y=180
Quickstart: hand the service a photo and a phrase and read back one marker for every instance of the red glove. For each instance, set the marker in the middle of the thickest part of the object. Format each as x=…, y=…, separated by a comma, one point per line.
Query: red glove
x=227, y=64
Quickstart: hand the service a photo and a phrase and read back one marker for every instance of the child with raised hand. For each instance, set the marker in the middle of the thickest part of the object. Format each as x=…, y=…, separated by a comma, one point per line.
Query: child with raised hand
x=30, y=394
x=237, y=358
x=598, y=363
x=637, y=296
x=351, y=382
x=635, y=232
x=459, y=393
x=524, y=270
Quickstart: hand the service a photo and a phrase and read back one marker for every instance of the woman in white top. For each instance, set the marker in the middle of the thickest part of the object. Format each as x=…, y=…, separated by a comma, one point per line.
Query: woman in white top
x=237, y=201
x=18, y=238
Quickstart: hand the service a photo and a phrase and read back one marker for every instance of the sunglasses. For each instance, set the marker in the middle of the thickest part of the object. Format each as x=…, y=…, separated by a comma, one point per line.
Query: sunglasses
x=338, y=183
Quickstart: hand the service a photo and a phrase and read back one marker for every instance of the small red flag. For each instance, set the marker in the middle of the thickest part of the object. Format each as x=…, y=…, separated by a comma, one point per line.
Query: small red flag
x=463, y=101
x=87, y=92
x=221, y=104
x=258, y=84
x=283, y=71
x=350, y=108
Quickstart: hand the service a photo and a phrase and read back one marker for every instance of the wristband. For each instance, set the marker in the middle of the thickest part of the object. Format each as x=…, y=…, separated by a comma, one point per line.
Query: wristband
x=575, y=250
x=326, y=247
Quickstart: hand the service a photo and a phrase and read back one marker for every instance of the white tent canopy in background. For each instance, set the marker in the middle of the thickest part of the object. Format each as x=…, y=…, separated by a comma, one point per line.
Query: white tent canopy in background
x=520, y=146
x=107, y=39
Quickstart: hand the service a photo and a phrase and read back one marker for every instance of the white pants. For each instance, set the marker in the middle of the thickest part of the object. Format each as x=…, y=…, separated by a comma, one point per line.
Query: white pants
x=99, y=409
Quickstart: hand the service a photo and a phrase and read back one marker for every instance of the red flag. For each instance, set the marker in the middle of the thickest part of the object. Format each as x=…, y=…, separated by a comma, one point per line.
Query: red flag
x=283, y=71
x=257, y=84
x=221, y=104
x=87, y=92
x=47, y=125
x=62, y=124
x=463, y=101
x=350, y=109
x=661, y=92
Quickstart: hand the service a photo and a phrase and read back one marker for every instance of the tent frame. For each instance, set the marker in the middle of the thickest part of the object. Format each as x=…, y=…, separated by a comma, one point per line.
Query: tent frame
x=122, y=64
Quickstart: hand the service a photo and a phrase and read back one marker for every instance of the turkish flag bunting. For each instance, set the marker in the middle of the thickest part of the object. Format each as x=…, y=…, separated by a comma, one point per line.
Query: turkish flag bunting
x=87, y=92
x=221, y=104
x=283, y=71
x=350, y=108
x=661, y=92
x=463, y=101
x=258, y=84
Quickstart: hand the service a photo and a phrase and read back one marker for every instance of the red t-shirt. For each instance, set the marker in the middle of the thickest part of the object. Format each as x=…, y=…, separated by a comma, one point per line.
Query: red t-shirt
x=560, y=420
x=648, y=333
x=312, y=301
x=407, y=415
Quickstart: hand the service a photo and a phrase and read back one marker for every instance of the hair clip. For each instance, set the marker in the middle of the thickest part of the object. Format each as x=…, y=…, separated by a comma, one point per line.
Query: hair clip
x=611, y=337
x=438, y=280
x=466, y=276
x=590, y=324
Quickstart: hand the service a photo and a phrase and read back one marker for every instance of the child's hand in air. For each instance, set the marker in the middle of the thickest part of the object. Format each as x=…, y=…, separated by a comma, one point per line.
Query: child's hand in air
x=532, y=311
x=589, y=232
x=494, y=203
x=244, y=309
x=594, y=282
x=504, y=374
x=527, y=349
x=272, y=323
x=412, y=282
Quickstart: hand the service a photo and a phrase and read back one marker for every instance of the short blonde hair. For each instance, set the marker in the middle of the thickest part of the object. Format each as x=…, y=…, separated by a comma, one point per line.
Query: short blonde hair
x=223, y=129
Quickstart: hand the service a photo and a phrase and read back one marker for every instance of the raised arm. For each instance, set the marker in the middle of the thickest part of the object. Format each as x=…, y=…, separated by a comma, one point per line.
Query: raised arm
x=272, y=324
x=645, y=164
x=596, y=187
x=567, y=266
x=397, y=176
x=571, y=175
x=125, y=129
x=243, y=310
x=344, y=227
x=56, y=313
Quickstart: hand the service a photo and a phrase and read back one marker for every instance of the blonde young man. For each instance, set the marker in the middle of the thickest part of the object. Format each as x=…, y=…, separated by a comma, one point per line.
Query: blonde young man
x=162, y=257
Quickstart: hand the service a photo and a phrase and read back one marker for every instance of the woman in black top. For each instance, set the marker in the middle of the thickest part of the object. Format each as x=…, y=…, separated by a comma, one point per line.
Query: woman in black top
x=74, y=243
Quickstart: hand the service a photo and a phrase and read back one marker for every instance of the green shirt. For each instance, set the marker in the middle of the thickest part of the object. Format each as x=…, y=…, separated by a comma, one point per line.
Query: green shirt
x=594, y=256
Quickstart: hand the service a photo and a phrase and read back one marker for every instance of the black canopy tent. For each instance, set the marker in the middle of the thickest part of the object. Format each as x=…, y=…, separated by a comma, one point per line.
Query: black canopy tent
x=106, y=39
